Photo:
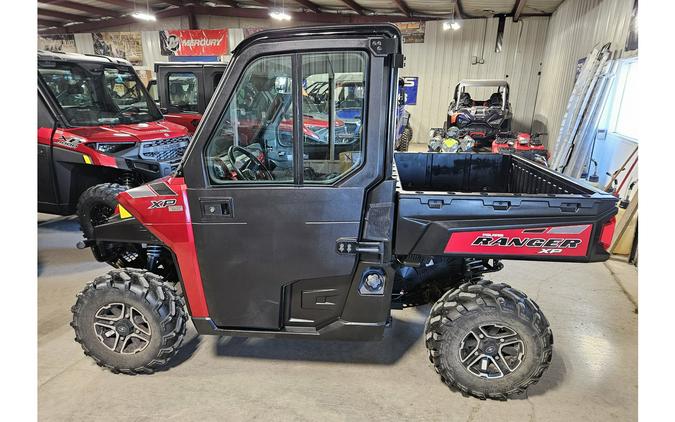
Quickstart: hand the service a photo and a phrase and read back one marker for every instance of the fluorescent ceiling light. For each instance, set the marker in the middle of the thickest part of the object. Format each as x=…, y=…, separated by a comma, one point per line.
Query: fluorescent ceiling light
x=280, y=15
x=455, y=26
x=144, y=16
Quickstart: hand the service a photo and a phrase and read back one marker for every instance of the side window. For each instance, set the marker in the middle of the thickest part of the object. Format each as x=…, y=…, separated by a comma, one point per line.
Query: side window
x=333, y=108
x=252, y=142
x=183, y=91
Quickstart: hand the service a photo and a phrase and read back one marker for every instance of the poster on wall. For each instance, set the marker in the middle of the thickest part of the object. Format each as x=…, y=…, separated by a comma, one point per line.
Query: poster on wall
x=207, y=42
x=410, y=84
x=60, y=42
x=413, y=32
x=125, y=45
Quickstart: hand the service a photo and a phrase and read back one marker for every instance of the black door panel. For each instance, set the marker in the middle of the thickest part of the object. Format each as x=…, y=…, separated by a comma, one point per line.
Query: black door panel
x=270, y=243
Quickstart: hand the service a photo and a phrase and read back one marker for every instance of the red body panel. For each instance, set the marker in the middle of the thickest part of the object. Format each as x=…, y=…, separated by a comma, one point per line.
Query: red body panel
x=168, y=218
x=78, y=139
x=558, y=241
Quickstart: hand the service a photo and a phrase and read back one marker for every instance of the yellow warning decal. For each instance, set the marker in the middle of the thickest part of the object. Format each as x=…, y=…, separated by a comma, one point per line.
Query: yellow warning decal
x=124, y=213
x=87, y=159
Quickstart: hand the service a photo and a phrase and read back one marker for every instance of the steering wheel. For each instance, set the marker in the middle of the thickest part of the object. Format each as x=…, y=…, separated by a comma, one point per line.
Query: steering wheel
x=246, y=172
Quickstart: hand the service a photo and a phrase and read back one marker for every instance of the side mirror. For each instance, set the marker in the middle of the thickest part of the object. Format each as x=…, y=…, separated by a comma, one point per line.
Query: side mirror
x=164, y=110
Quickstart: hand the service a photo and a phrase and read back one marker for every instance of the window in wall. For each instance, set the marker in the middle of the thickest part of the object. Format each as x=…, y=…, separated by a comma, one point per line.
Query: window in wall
x=254, y=139
x=626, y=101
x=333, y=109
x=183, y=92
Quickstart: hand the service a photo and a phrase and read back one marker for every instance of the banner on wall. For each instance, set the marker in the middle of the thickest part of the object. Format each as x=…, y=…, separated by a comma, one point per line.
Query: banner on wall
x=412, y=32
x=61, y=42
x=410, y=84
x=207, y=42
x=125, y=45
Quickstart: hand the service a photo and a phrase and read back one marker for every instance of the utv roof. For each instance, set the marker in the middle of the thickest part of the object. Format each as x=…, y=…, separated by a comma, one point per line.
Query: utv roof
x=483, y=82
x=77, y=57
x=300, y=32
x=222, y=65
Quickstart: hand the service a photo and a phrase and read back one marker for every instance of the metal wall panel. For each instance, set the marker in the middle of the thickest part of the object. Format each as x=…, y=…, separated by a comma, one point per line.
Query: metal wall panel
x=445, y=58
x=576, y=27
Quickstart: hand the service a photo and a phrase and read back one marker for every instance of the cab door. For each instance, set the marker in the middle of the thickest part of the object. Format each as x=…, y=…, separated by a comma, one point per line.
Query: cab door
x=266, y=218
x=181, y=94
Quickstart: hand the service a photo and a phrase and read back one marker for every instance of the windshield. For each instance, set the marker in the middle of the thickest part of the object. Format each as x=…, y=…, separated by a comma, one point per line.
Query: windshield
x=92, y=95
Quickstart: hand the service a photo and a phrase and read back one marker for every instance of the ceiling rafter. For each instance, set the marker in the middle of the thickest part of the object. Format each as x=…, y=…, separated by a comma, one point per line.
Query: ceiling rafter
x=355, y=7
x=47, y=22
x=231, y=3
x=518, y=9
x=403, y=7
x=309, y=5
x=80, y=7
x=61, y=15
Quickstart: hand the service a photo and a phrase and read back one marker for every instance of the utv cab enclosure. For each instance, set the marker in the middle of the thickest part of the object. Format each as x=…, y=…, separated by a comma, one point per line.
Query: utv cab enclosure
x=483, y=119
x=184, y=89
x=98, y=134
x=250, y=242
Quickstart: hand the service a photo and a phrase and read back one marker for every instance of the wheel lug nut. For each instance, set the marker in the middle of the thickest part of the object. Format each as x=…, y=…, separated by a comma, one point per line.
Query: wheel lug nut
x=501, y=340
x=480, y=336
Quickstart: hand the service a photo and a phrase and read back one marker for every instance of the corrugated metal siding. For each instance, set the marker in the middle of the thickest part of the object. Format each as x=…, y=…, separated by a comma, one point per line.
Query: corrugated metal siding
x=445, y=58
x=575, y=28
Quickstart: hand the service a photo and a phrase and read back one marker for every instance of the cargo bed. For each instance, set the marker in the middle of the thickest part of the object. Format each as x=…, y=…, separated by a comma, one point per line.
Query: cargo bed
x=497, y=206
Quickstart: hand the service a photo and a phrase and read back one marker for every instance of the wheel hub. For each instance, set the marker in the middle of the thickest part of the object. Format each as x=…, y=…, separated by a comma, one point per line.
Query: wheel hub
x=122, y=328
x=491, y=351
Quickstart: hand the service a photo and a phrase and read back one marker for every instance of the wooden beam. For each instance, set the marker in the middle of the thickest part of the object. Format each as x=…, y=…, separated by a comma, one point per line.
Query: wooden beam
x=403, y=7
x=95, y=11
x=230, y=3
x=62, y=15
x=255, y=13
x=355, y=7
x=309, y=5
x=47, y=22
x=518, y=9
x=107, y=23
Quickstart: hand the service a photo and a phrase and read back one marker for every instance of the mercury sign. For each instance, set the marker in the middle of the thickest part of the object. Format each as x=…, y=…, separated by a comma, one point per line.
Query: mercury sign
x=209, y=42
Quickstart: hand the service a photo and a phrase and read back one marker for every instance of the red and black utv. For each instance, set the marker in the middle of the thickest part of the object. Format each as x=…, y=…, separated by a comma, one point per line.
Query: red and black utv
x=483, y=120
x=99, y=133
x=184, y=89
x=325, y=247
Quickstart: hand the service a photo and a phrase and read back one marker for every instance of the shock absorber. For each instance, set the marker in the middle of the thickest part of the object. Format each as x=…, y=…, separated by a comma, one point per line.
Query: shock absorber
x=127, y=180
x=152, y=252
x=473, y=270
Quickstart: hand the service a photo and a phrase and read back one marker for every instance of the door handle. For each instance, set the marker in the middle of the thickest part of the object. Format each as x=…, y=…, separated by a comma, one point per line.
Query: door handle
x=221, y=207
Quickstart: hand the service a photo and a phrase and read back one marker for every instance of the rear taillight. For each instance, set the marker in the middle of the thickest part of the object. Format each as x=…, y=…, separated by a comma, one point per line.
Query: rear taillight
x=607, y=233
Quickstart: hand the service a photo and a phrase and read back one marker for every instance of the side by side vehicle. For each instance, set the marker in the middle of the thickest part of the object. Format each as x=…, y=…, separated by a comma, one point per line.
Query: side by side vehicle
x=327, y=246
x=99, y=133
x=483, y=119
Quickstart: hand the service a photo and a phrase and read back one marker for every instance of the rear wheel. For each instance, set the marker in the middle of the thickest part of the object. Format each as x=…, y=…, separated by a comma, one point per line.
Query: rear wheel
x=488, y=340
x=129, y=321
x=96, y=205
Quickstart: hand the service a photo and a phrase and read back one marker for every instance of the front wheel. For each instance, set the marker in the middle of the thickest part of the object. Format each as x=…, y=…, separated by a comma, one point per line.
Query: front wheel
x=96, y=205
x=129, y=321
x=488, y=340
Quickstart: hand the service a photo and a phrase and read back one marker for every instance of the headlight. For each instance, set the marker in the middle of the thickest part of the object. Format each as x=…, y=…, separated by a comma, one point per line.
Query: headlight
x=111, y=148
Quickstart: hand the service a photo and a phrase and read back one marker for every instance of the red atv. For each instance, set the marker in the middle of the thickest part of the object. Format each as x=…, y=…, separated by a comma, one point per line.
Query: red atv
x=328, y=244
x=99, y=133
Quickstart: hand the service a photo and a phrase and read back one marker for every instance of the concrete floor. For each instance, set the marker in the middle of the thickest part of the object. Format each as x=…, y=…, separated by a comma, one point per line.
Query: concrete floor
x=593, y=375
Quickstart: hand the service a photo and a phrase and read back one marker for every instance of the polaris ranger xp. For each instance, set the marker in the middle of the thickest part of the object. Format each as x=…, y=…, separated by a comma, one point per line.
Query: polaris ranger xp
x=249, y=242
x=99, y=133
